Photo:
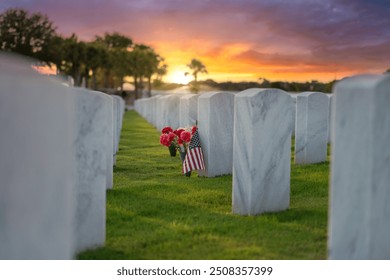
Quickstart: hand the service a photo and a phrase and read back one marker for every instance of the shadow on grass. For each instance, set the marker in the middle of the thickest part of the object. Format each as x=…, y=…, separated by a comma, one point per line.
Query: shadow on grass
x=163, y=227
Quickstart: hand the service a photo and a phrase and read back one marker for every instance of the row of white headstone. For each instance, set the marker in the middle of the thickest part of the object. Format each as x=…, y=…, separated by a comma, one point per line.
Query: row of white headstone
x=57, y=150
x=308, y=114
x=249, y=133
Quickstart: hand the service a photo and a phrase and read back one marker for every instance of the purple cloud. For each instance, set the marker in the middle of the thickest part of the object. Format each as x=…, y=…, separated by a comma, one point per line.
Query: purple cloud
x=346, y=33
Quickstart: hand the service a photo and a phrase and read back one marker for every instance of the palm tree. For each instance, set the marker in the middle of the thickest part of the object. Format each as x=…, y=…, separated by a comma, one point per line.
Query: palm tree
x=136, y=67
x=153, y=66
x=162, y=71
x=197, y=67
x=144, y=63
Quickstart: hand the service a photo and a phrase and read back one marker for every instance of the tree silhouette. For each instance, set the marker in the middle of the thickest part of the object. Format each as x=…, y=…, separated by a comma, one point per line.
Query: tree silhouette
x=108, y=59
x=93, y=60
x=56, y=52
x=197, y=67
x=26, y=34
x=116, y=45
x=144, y=63
x=162, y=70
x=73, y=55
x=152, y=66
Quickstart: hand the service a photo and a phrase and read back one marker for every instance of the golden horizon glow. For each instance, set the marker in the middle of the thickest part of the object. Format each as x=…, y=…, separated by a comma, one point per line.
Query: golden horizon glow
x=177, y=76
x=227, y=63
x=218, y=73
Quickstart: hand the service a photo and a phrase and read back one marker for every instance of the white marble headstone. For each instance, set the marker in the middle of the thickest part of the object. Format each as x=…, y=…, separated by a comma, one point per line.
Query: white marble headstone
x=148, y=115
x=142, y=107
x=168, y=111
x=293, y=111
x=215, y=124
x=93, y=128
x=110, y=140
x=160, y=112
x=137, y=106
x=330, y=96
x=311, y=132
x=153, y=109
x=37, y=158
x=359, y=211
x=171, y=110
x=118, y=117
x=261, y=151
x=115, y=108
x=188, y=110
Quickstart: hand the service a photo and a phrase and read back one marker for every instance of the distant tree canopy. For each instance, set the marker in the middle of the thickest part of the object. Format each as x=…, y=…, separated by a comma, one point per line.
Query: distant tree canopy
x=27, y=34
x=107, y=60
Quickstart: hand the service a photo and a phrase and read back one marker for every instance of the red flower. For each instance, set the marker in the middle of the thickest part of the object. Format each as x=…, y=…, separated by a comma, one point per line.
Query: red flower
x=185, y=136
x=180, y=137
x=178, y=132
x=164, y=140
x=172, y=136
x=167, y=130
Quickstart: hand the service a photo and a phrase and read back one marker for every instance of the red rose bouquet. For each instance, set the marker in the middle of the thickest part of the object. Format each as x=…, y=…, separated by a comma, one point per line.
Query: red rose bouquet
x=186, y=141
x=176, y=140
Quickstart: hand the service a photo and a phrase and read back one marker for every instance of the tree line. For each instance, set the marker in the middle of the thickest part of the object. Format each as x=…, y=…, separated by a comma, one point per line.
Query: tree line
x=264, y=83
x=101, y=63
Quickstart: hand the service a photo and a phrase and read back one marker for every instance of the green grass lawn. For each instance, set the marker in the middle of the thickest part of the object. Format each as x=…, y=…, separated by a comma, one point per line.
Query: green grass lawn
x=154, y=212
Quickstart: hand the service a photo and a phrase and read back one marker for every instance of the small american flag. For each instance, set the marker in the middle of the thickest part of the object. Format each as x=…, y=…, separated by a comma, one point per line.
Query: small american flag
x=194, y=157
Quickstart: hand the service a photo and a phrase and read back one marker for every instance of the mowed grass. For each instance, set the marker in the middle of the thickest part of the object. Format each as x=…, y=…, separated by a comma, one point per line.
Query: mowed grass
x=154, y=212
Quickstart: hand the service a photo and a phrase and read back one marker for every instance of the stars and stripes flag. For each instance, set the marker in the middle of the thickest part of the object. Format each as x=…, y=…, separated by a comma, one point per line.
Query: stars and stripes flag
x=194, y=156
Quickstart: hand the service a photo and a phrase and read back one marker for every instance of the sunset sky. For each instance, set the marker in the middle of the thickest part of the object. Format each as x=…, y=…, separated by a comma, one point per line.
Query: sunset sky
x=239, y=40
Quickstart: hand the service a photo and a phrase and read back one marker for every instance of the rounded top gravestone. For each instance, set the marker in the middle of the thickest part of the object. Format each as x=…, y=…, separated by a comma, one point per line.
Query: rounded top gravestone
x=36, y=156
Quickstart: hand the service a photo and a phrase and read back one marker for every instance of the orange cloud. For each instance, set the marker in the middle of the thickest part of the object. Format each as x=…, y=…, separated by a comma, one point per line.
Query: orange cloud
x=241, y=39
